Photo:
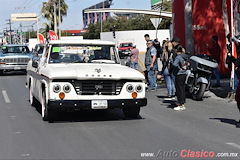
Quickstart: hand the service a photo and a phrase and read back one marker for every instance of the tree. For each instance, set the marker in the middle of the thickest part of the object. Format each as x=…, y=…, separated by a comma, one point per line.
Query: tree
x=45, y=29
x=48, y=11
x=140, y=22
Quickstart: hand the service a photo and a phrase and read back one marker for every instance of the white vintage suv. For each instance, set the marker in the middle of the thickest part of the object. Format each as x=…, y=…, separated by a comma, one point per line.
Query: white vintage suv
x=84, y=74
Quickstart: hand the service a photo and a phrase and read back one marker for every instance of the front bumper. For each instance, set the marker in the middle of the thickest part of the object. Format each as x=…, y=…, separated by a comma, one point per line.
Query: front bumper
x=13, y=67
x=86, y=104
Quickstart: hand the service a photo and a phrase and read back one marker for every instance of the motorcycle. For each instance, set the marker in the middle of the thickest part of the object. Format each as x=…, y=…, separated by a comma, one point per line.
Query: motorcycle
x=199, y=75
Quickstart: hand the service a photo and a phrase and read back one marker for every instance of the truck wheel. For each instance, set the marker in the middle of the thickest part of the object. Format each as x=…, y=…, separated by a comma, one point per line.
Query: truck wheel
x=199, y=95
x=131, y=112
x=33, y=101
x=46, y=112
x=1, y=72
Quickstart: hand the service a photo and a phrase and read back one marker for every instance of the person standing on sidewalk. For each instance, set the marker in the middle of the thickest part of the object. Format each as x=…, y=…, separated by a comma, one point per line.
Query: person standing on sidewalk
x=150, y=63
x=215, y=54
x=134, y=57
x=179, y=71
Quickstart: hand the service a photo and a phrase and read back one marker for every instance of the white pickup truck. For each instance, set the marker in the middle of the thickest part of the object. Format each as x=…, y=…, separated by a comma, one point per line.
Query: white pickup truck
x=84, y=74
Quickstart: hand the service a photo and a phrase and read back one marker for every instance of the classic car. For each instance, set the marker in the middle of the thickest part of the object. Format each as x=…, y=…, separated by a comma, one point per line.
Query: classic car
x=14, y=57
x=83, y=74
x=124, y=49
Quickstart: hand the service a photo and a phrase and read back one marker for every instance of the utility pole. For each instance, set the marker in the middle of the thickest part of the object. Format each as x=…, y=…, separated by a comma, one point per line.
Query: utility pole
x=55, y=16
x=21, y=38
x=10, y=25
x=59, y=19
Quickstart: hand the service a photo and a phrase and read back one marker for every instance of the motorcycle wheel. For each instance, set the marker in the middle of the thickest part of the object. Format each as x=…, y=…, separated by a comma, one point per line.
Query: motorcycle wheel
x=199, y=95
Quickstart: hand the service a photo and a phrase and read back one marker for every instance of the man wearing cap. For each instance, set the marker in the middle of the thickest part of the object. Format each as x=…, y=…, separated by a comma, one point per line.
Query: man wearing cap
x=176, y=44
x=150, y=63
x=134, y=57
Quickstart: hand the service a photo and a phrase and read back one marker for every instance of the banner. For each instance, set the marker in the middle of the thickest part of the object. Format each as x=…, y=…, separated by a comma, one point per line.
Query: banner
x=40, y=38
x=53, y=35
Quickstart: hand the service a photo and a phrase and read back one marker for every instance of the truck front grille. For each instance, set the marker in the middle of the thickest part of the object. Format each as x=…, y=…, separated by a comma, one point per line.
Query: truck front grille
x=17, y=60
x=99, y=87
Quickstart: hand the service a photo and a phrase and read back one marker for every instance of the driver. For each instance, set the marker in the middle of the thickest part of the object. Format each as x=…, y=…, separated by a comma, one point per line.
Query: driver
x=54, y=57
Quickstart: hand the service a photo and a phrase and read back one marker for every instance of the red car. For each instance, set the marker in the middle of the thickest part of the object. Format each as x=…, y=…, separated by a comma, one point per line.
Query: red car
x=124, y=49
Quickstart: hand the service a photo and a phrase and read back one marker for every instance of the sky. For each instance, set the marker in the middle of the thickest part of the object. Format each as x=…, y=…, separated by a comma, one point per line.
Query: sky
x=72, y=21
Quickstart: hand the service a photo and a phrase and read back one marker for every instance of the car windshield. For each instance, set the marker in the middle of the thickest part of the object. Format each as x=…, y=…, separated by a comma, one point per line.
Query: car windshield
x=15, y=49
x=83, y=54
x=126, y=45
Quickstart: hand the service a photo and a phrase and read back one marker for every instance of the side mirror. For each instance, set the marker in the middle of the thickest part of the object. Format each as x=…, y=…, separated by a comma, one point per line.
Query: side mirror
x=35, y=62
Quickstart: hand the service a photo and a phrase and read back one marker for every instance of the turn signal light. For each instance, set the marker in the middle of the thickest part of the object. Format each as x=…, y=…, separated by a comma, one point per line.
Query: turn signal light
x=134, y=94
x=61, y=95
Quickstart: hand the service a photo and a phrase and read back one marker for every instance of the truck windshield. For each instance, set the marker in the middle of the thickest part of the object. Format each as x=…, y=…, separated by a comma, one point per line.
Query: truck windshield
x=15, y=49
x=83, y=54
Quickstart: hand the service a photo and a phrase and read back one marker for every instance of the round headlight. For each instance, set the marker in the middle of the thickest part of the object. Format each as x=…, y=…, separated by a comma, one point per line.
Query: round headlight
x=130, y=88
x=66, y=88
x=56, y=88
x=139, y=88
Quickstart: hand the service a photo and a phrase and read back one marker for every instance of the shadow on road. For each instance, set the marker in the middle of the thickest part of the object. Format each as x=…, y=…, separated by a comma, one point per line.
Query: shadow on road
x=89, y=116
x=223, y=90
x=14, y=73
x=225, y=120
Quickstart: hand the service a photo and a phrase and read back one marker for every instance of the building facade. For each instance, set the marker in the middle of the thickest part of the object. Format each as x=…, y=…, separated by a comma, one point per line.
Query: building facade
x=93, y=18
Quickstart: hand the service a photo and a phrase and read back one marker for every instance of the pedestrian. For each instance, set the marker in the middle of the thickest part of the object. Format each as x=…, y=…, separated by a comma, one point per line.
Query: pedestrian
x=229, y=60
x=166, y=59
x=134, y=57
x=147, y=37
x=215, y=54
x=176, y=45
x=236, y=62
x=237, y=97
x=158, y=47
x=150, y=63
x=180, y=76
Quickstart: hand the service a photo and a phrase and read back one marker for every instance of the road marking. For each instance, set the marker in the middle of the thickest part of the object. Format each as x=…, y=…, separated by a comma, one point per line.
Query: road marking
x=5, y=96
x=234, y=145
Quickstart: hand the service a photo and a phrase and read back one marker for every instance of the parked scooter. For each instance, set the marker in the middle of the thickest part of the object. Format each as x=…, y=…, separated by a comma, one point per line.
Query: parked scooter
x=199, y=75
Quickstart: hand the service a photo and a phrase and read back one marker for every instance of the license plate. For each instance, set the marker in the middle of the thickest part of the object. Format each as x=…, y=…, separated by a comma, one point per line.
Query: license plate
x=125, y=52
x=17, y=68
x=99, y=104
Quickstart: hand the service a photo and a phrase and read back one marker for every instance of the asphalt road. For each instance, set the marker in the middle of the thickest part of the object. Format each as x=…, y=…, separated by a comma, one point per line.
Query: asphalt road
x=206, y=126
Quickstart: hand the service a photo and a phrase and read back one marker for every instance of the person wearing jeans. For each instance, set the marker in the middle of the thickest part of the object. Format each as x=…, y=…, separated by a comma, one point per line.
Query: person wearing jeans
x=134, y=57
x=170, y=84
x=150, y=64
x=217, y=76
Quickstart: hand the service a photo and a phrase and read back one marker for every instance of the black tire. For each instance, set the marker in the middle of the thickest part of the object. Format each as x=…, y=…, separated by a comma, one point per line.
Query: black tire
x=1, y=72
x=199, y=95
x=131, y=112
x=33, y=101
x=47, y=114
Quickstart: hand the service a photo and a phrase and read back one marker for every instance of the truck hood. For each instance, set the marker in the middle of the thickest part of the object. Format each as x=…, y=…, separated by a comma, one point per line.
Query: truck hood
x=90, y=71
